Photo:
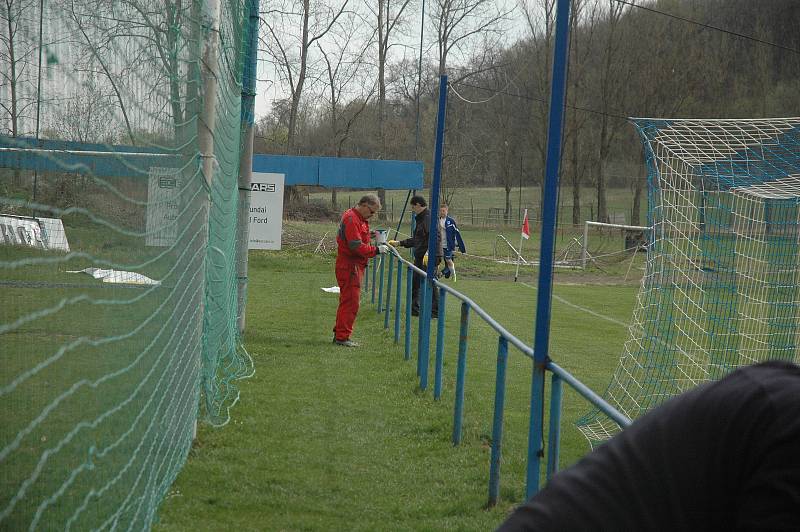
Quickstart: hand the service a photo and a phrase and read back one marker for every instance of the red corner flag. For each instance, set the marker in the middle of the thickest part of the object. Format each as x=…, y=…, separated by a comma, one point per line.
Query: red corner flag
x=526, y=229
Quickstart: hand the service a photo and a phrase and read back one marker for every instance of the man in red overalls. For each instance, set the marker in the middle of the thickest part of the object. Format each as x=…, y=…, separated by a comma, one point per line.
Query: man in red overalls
x=354, y=250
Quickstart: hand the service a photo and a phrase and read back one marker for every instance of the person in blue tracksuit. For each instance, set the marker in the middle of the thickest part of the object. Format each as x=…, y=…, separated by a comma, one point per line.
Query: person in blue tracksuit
x=451, y=237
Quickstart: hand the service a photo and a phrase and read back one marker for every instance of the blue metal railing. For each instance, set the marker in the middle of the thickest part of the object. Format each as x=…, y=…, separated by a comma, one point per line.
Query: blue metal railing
x=505, y=339
x=540, y=353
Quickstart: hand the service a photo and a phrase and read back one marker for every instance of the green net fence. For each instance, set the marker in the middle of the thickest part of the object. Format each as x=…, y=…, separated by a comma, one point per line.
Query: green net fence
x=119, y=158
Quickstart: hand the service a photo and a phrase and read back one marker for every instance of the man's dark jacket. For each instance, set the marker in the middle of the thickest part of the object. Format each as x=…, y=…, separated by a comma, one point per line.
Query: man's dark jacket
x=419, y=240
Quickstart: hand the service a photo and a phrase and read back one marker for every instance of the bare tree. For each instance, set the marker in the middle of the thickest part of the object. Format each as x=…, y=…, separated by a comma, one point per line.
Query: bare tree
x=386, y=22
x=345, y=68
x=458, y=23
x=17, y=56
x=89, y=118
x=610, y=90
x=540, y=22
x=288, y=49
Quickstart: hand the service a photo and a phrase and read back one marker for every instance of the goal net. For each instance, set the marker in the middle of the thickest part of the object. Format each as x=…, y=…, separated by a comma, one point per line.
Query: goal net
x=720, y=288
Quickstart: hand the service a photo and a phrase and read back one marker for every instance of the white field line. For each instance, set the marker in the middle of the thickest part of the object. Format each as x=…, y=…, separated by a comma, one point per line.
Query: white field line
x=583, y=309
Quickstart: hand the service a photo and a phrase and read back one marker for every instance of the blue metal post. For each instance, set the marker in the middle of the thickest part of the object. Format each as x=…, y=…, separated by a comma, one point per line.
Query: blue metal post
x=380, y=285
x=423, y=333
x=497, y=425
x=549, y=212
x=374, y=272
x=409, y=280
x=437, y=378
x=388, y=291
x=461, y=374
x=397, y=302
x=366, y=276
x=554, y=434
x=433, y=248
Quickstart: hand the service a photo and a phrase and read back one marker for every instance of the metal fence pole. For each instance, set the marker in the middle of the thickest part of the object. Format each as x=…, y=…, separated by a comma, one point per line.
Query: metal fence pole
x=397, y=302
x=437, y=379
x=461, y=373
x=546, y=252
x=388, y=292
x=409, y=280
x=554, y=433
x=380, y=285
x=497, y=424
x=422, y=338
x=374, y=272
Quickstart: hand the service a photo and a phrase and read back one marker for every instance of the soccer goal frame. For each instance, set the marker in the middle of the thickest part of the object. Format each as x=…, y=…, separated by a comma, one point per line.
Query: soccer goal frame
x=585, y=242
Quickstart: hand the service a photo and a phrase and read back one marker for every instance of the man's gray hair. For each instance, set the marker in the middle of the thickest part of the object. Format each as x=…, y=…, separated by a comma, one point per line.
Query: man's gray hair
x=370, y=199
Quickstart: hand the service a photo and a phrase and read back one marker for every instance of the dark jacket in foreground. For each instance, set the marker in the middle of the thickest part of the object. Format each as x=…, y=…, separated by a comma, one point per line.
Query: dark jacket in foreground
x=723, y=456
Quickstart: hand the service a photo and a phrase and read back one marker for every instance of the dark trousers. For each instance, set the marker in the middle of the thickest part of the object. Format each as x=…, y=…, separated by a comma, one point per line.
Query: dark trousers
x=415, y=284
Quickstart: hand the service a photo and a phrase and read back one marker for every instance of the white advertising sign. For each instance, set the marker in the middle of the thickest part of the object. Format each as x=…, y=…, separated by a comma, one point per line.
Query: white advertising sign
x=266, y=210
x=20, y=231
x=53, y=233
x=163, y=206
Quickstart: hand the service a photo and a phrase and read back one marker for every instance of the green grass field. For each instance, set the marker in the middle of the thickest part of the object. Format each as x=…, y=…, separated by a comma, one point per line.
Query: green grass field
x=323, y=437
x=342, y=439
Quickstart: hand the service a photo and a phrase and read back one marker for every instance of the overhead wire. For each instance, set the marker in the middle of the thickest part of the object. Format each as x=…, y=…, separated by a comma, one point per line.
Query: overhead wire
x=709, y=26
x=604, y=113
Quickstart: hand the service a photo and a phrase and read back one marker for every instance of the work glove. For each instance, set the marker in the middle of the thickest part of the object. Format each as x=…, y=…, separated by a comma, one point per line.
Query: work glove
x=425, y=260
x=393, y=243
x=383, y=248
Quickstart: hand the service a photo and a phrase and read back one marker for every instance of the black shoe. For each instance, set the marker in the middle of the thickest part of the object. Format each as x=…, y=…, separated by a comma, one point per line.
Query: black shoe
x=446, y=272
x=434, y=316
x=415, y=313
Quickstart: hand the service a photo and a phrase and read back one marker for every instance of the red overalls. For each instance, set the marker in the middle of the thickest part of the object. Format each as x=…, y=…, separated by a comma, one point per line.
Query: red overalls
x=354, y=251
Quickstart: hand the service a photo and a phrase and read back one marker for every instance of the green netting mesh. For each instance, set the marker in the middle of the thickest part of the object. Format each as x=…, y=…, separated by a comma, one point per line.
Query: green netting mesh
x=117, y=252
x=720, y=289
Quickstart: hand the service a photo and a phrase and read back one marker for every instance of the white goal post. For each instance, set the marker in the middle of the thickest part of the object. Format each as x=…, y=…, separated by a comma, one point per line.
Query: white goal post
x=585, y=243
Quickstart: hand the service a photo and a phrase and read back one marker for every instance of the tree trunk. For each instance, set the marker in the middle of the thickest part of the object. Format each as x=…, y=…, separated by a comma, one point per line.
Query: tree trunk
x=576, y=182
x=507, y=216
x=602, y=212
x=382, y=197
x=637, y=203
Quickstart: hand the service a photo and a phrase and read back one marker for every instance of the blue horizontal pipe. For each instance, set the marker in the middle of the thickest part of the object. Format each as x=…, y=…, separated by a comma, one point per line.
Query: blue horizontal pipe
x=513, y=340
x=621, y=419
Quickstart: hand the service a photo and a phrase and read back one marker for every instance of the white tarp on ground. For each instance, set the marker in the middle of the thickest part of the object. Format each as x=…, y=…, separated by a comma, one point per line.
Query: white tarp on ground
x=44, y=233
x=117, y=276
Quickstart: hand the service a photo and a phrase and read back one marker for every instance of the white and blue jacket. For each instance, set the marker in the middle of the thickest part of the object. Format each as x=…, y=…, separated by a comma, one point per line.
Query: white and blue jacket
x=452, y=238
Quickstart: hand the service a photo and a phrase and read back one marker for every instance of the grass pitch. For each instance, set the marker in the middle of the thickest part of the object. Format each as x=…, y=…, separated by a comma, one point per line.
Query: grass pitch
x=332, y=438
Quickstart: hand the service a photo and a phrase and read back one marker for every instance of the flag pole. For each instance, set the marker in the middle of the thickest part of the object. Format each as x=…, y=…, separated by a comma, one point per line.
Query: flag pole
x=521, y=236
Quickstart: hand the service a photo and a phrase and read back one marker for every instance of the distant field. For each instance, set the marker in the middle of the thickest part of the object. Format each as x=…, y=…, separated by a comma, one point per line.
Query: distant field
x=471, y=206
